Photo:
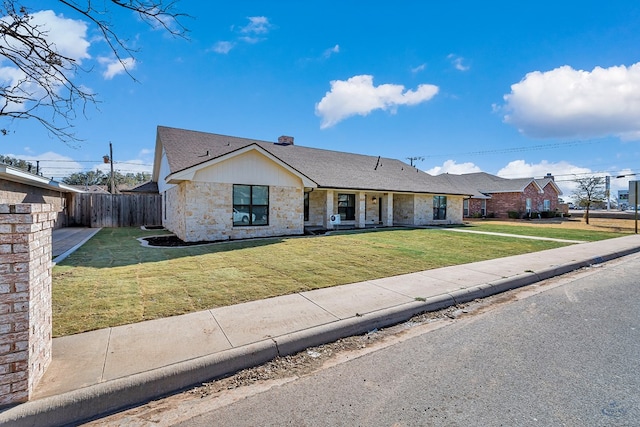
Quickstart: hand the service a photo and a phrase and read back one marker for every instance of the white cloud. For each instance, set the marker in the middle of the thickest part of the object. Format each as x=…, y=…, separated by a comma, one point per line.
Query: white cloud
x=223, y=47
x=115, y=66
x=574, y=103
x=69, y=36
x=564, y=173
x=358, y=96
x=419, y=68
x=522, y=169
x=257, y=25
x=327, y=53
x=450, y=166
x=458, y=62
x=251, y=33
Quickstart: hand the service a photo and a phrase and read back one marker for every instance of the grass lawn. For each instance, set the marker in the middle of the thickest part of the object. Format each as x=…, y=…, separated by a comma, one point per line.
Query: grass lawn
x=113, y=280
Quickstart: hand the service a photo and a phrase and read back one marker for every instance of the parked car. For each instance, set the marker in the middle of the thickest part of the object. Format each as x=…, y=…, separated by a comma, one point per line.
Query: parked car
x=243, y=217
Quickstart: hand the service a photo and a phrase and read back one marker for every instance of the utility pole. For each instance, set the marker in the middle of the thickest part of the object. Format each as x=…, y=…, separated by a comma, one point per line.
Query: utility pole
x=415, y=158
x=607, y=191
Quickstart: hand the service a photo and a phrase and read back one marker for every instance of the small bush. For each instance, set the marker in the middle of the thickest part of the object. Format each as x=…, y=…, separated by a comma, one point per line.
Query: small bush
x=513, y=214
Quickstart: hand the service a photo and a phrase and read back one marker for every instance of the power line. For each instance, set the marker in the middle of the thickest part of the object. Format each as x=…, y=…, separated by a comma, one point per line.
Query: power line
x=86, y=161
x=520, y=149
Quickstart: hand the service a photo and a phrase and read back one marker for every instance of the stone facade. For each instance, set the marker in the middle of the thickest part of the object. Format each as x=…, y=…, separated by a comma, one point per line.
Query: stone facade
x=317, y=208
x=25, y=298
x=16, y=192
x=203, y=211
x=417, y=209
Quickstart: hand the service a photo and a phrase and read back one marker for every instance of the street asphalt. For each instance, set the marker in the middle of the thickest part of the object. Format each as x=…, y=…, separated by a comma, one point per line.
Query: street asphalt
x=106, y=370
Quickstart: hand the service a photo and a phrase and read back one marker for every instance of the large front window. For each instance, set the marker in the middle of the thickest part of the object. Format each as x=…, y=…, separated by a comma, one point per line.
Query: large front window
x=347, y=206
x=250, y=205
x=439, y=207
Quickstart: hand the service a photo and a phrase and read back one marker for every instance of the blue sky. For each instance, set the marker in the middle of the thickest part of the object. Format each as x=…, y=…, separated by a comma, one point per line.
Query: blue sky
x=509, y=88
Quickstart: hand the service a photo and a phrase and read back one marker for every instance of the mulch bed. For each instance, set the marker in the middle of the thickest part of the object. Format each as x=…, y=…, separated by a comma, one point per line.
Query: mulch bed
x=170, y=241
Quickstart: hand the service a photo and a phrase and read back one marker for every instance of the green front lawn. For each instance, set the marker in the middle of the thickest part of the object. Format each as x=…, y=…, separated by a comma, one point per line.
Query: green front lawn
x=112, y=280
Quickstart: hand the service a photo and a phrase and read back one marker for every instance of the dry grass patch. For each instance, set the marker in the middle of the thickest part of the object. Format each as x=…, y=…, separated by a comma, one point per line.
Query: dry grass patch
x=575, y=229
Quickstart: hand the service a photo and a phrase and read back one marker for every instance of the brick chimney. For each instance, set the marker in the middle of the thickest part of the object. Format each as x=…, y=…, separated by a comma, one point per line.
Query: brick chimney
x=285, y=140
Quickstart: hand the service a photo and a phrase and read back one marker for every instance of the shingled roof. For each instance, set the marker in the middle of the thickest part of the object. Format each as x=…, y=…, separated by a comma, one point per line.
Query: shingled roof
x=187, y=149
x=484, y=184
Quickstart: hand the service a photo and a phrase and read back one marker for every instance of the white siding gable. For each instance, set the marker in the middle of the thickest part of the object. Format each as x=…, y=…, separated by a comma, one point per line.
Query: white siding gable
x=163, y=173
x=248, y=168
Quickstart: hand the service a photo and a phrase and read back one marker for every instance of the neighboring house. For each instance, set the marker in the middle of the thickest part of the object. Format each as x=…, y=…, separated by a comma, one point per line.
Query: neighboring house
x=148, y=187
x=93, y=189
x=217, y=187
x=496, y=196
x=20, y=186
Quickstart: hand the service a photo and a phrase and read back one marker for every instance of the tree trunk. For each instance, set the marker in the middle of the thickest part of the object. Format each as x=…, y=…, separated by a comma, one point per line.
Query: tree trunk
x=586, y=215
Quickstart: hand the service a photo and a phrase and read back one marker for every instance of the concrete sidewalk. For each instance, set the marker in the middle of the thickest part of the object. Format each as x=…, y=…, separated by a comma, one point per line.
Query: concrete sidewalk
x=65, y=241
x=106, y=370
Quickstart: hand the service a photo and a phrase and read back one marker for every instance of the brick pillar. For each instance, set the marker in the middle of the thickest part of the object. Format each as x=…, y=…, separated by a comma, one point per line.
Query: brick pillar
x=25, y=298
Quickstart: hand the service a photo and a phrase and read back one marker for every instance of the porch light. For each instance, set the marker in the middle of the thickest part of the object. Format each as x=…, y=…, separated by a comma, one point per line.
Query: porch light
x=374, y=200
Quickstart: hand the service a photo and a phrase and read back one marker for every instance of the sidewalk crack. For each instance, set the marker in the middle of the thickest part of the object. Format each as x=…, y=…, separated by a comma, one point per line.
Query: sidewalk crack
x=106, y=355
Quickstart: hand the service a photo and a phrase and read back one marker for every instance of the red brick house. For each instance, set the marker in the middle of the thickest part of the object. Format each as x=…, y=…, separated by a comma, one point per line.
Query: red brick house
x=494, y=196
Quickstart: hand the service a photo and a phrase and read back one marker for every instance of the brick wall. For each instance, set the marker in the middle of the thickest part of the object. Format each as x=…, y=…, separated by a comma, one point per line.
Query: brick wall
x=16, y=192
x=25, y=298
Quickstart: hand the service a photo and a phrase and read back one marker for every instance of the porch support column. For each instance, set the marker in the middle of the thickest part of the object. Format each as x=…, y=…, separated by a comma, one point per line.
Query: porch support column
x=387, y=211
x=361, y=210
x=329, y=204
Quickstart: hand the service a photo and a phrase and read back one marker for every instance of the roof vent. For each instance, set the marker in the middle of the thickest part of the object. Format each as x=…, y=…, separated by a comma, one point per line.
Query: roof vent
x=285, y=140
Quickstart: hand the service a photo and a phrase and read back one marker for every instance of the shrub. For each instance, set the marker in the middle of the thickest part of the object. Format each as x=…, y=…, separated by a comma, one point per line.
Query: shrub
x=513, y=214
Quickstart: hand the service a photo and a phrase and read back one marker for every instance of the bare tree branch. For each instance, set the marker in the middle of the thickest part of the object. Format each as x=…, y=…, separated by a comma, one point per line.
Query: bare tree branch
x=40, y=84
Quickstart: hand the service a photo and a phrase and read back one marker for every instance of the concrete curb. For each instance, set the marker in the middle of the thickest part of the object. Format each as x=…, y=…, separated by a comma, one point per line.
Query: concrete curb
x=112, y=396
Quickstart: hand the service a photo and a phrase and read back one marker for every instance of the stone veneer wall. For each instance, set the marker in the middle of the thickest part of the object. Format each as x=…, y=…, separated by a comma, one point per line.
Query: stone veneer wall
x=403, y=209
x=317, y=208
x=173, y=210
x=25, y=298
x=208, y=214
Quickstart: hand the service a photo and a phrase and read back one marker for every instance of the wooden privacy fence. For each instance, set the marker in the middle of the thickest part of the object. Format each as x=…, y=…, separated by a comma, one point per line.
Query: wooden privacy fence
x=115, y=210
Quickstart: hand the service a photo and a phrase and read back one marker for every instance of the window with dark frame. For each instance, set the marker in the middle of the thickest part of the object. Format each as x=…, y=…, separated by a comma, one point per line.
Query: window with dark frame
x=347, y=206
x=439, y=207
x=250, y=205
